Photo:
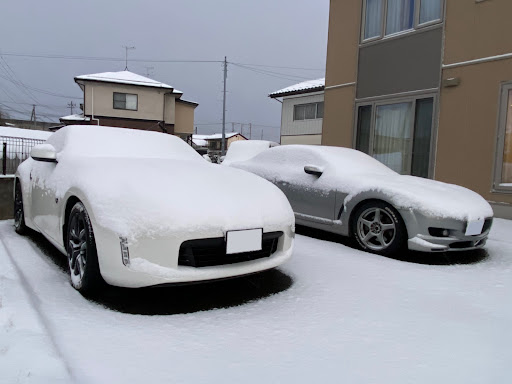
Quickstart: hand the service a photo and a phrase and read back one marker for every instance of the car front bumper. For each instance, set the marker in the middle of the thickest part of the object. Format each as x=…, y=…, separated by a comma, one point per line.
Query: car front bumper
x=156, y=261
x=422, y=236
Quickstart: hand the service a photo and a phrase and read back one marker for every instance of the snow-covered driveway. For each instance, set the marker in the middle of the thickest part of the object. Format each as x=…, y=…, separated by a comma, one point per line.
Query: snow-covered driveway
x=337, y=315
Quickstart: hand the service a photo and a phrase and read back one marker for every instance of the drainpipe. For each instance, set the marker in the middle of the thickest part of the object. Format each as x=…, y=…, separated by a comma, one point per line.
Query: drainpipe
x=92, y=106
x=163, y=117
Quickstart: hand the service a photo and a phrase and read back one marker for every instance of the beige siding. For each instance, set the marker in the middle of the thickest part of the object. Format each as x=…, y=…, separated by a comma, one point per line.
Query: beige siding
x=184, y=122
x=302, y=139
x=150, y=103
x=300, y=127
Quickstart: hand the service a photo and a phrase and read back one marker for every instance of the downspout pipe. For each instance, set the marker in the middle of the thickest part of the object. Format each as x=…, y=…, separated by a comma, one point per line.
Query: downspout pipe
x=92, y=107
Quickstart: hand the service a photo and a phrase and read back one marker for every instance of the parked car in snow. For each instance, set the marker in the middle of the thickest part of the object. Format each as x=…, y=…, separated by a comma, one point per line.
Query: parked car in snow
x=347, y=192
x=122, y=205
x=246, y=149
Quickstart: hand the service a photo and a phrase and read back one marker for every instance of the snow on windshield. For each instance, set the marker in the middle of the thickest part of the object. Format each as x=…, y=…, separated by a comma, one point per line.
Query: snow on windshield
x=99, y=141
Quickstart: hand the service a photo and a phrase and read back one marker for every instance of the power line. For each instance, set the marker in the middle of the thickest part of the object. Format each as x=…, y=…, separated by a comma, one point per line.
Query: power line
x=273, y=74
x=281, y=67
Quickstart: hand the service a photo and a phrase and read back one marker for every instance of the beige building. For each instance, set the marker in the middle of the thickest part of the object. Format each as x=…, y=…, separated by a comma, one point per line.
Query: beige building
x=425, y=86
x=125, y=99
x=302, y=112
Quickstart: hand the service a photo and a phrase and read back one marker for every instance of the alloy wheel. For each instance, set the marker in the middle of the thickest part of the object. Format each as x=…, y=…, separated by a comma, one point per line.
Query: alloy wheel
x=77, y=248
x=376, y=228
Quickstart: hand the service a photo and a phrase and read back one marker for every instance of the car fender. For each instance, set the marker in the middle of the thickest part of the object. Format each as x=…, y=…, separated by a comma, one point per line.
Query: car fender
x=352, y=202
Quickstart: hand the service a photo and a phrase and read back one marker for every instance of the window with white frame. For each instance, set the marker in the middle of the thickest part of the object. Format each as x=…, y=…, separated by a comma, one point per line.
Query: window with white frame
x=308, y=111
x=503, y=177
x=397, y=134
x=125, y=101
x=387, y=17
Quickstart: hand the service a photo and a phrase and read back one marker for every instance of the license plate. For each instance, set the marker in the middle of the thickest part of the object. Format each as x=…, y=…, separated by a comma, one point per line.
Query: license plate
x=244, y=241
x=474, y=227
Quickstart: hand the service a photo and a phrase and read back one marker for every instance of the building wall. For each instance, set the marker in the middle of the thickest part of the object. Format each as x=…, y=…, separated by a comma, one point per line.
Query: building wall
x=150, y=102
x=300, y=127
x=302, y=139
x=184, y=122
x=341, y=70
x=468, y=121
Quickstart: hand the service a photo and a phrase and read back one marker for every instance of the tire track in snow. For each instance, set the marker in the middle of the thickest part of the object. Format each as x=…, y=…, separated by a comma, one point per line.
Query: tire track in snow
x=36, y=304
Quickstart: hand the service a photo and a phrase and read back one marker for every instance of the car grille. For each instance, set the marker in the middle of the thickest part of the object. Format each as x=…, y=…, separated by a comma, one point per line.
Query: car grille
x=487, y=224
x=209, y=252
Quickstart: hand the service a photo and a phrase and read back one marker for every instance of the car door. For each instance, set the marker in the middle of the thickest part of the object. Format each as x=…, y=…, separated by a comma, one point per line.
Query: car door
x=309, y=193
x=45, y=205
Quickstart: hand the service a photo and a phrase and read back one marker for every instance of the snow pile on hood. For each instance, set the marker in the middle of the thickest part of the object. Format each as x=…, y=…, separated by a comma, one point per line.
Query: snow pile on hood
x=245, y=150
x=160, y=190
x=353, y=172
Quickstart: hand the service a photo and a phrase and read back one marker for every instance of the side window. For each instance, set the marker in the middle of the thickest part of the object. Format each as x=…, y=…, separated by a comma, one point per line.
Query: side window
x=503, y=173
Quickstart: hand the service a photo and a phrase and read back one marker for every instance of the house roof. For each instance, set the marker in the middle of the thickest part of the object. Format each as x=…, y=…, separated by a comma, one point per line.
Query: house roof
x=75, y=117
x=300, y=88
x=218, y=136
x=126, y=77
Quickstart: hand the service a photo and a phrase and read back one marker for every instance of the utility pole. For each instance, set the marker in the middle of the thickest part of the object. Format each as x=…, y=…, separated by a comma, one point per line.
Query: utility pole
x=33, y=115
x=223, y=145
x=232, y=127
x=126, y=48
x=241, y=129
x=261, y=133
x=71, y=106
x=250, y=131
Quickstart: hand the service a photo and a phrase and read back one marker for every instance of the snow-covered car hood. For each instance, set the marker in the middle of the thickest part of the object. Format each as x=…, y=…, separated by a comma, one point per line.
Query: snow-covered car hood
x=432, y=198
x=162, y=197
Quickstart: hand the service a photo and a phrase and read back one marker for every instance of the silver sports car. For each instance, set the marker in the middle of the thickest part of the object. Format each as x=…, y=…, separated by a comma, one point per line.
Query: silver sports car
x=347, y=192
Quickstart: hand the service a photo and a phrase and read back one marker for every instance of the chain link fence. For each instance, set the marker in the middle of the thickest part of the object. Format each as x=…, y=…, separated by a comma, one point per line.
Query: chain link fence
x=15, y=150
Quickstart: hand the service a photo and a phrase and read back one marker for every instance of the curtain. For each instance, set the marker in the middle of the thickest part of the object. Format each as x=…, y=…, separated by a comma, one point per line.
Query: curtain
x=400, y=16
x=373, y=21
x=430, y=10
x=506, y=173
x=392, y=139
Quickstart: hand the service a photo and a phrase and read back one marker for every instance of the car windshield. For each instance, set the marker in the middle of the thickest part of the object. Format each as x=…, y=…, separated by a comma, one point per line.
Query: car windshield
x=96, y=141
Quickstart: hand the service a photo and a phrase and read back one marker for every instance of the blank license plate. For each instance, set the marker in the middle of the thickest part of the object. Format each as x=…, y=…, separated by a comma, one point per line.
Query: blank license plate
x=244, y=241
x=474, y=227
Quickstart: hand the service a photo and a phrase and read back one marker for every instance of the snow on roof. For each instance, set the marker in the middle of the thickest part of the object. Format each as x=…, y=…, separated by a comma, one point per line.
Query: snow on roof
x=305, y=86
x=217, y=136
x=24, y=133
x=125, y=77
x=75, y=117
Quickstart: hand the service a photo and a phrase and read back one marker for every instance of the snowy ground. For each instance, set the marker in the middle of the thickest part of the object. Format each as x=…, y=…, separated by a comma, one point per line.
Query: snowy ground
x=331, y=314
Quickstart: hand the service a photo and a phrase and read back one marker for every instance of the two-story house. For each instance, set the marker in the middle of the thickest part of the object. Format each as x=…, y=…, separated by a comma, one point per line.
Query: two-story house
x=302, y=112
x=425, y=86
x=125, y=99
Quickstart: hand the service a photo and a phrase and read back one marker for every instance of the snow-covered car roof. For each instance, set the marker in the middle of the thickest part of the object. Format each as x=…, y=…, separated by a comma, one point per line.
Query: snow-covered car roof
x=246, y=149
x=100, y=141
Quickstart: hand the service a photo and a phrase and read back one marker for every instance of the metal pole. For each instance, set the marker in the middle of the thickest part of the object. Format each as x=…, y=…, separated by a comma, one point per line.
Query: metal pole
x=250, y=131
x=223, y=144
x=4, y=159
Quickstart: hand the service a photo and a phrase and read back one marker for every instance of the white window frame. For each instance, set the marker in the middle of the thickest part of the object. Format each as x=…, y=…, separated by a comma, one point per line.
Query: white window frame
x=500, y=139
x=303, y=105
x=396, y=100
x=416, y=22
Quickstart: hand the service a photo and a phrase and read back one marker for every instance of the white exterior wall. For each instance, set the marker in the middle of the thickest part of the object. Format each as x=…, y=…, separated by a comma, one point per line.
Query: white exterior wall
x=289, y=127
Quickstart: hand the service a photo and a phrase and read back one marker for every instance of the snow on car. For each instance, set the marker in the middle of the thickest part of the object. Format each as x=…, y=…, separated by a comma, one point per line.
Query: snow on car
x=123, y=206
x=246, y=149
x=345, y=191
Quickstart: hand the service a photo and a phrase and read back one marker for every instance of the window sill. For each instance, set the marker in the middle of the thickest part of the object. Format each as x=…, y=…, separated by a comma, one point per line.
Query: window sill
x=502, y=188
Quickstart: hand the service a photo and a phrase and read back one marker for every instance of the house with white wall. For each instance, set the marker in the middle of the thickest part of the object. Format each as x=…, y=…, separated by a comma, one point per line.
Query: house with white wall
x=302, y=112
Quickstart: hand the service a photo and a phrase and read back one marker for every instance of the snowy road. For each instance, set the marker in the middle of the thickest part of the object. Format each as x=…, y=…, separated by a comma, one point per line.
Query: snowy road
x=331, y=314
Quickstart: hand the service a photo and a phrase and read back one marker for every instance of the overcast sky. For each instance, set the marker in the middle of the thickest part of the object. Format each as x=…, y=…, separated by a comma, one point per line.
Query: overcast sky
x=277, y=33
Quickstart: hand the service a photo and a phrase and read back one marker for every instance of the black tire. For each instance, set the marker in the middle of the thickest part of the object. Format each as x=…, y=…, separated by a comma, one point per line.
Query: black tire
x=19, y=212
x=82, y=254
x=378, y=228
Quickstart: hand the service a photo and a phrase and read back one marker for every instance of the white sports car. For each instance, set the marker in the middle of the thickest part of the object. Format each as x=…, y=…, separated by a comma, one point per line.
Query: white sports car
x=136, y=208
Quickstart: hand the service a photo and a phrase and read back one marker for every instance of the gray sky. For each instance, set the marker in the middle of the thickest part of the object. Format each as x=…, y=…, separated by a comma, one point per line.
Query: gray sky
x=286, y=33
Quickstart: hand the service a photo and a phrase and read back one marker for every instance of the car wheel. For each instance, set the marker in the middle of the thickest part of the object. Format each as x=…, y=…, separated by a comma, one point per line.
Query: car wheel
x=378, y=228
x=19, y=213
x=81, y=250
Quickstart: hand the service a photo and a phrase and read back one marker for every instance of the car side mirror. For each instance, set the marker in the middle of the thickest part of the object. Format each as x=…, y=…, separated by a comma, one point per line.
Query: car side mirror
x=44, y=152
x=313, y=170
